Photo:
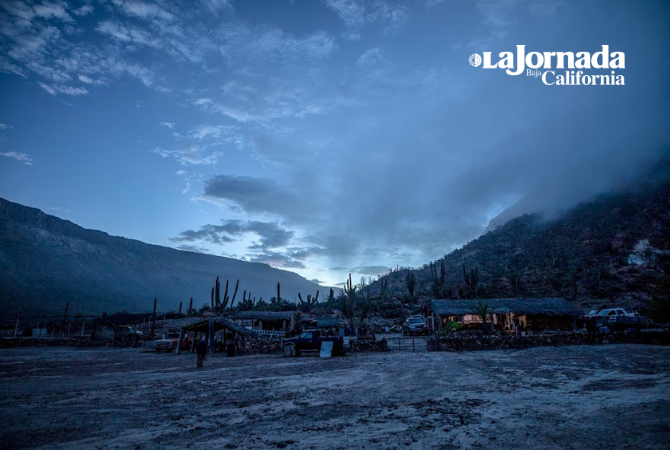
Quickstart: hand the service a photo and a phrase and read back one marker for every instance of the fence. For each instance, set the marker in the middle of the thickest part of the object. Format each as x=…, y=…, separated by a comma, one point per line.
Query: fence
x=270, y=334
x=407, y=344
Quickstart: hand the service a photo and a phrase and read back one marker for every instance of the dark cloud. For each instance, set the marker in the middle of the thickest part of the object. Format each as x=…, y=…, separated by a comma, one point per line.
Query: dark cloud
x=277, y=259
x=271, y=234
x=208, y=233
x=411, y=160
x=254, y=195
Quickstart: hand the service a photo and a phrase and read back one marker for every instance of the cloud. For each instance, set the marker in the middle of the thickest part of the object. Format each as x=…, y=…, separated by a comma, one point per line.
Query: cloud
x=371, y=270
x=431, y=3
x=167, y=124
x=190, y=155
x=50, y=10
x=357, y=13
x=59, y=209
x=193, y=248
x=55, y=89
x=84, y=10
x=88, y=80
x=142, y=10
x=129, y=35
x=279, y=260
x=4, y=126
x=271, y=234
x=267, y=242
x=253, y=194
x=21, y=157
x=218, y=7
x=371, y=57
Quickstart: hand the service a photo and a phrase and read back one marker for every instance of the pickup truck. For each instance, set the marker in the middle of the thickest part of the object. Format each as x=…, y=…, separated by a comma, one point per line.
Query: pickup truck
x=310, y=341
x=169, y=343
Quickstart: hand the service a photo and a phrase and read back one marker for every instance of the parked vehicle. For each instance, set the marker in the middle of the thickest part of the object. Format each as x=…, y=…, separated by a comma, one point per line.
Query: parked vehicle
x=614, y=319
x=169, y=343
x=611, y=312
x=310, y=341
x=127, y=330
x=414, y=325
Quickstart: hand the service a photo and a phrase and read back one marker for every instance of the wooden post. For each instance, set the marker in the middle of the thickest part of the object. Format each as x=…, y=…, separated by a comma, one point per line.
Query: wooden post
x=210, y=332
x=193, y=342
x=181, y=339
x=16, y=328
x=62, y=328
x=153, y=319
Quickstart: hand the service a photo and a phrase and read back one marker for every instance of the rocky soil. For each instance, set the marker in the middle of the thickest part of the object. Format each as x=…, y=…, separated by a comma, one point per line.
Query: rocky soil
x=613, y=396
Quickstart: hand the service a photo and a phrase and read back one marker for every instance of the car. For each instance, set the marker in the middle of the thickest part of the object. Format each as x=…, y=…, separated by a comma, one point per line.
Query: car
x=127, y=330
x=169, y=343
x=310, y=341
x=414, y=325
x=611, y=312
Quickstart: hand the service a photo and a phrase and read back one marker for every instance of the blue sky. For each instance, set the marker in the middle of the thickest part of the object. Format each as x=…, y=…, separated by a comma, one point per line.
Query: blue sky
x=324, y=137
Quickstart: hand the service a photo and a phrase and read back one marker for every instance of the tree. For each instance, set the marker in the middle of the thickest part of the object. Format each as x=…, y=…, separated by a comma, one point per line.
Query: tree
x=483, y=310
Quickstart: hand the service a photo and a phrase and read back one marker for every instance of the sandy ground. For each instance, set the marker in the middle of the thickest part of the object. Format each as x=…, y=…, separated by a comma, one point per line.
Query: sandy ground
x=610, y=396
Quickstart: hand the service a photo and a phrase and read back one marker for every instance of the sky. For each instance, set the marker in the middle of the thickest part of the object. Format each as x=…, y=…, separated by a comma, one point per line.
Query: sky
x=322, y=137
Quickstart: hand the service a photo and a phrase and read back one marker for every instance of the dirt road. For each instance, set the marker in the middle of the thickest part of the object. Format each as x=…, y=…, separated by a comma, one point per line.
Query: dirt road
x=610, y=396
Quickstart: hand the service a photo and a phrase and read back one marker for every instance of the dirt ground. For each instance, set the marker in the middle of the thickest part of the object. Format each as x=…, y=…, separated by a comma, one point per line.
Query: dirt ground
x=608, y=396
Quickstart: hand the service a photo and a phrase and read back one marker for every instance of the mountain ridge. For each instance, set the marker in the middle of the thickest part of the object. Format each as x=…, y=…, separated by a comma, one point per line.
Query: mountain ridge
x=46, y=261
x=612, y=249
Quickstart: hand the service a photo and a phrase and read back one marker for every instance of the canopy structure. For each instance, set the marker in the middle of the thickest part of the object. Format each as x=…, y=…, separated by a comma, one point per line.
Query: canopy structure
x=211, y=326
x=268, y=320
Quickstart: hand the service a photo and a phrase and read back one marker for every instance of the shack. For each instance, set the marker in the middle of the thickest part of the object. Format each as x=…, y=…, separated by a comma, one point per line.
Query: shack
x=209, y=328
x=276, y=321
x=513, y=314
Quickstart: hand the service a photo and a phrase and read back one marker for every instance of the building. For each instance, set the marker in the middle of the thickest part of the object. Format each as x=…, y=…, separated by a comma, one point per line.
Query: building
x=284, y=321
x=508, y=313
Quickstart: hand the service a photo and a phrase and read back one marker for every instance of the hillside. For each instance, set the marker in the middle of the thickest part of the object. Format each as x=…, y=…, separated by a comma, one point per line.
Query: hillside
x=46, y=261
x=614, y=249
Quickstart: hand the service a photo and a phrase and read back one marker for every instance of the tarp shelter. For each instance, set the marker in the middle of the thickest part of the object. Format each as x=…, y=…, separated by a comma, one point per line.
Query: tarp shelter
x=538, y=313
x=211, y=326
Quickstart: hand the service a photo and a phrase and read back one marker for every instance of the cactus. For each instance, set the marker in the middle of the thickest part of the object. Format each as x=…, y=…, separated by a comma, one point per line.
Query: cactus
x=232, y=302
x=438, y=281
x=224, y=300
x=410, y=282
x=383, y=288
x=472, y=278
x=278, y=293
x=218, y=293
x=306, y=306
x=348, y=302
